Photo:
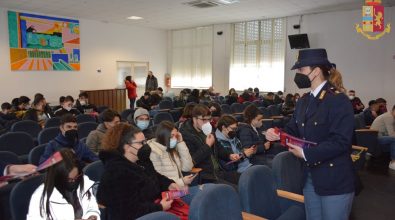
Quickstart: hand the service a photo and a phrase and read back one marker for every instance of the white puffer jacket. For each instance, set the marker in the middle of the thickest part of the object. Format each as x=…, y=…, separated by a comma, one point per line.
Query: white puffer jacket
x=60, y=208
x=164, y=164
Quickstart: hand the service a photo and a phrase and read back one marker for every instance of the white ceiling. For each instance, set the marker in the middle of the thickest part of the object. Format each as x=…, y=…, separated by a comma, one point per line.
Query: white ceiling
x=173, y=14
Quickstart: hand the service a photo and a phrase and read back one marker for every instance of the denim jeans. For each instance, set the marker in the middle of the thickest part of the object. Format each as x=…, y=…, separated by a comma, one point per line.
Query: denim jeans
x=336, y=207
x=388, y=145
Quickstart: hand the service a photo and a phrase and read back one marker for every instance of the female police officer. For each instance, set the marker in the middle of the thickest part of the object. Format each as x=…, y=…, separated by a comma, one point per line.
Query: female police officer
x=324, y=116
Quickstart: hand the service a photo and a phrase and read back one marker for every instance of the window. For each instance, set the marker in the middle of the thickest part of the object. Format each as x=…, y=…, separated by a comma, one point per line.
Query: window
x=258, y=55
x=191, y=61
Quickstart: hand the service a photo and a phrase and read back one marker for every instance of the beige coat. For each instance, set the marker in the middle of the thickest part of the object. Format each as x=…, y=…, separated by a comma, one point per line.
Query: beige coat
x=164, y=165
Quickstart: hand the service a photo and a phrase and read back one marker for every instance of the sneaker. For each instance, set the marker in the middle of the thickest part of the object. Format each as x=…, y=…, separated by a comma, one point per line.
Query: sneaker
x=392, y=165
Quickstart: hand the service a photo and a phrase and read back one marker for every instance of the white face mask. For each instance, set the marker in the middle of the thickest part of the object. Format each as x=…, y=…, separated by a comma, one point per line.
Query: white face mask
x=351, y=97
x=82, y=102
x=207, y=128
x=67, y=108
x=173, y=143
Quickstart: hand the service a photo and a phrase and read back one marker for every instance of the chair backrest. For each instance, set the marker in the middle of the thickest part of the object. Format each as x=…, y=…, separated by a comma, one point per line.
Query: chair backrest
x=216, y=202
x=21, y=194
x=47, y=134
x=52, y=122
x=257, y=192
x=162, y=116
x=246, y=103
x=19, y=143
x=125, y=113
x=101, y=109
x=85, y=128
x=166, y=104
x=28, y=126
x=9, y=157
x=35, y=154
x=288, y=175
x=94, y=170
x=274, y=110
x=265, y=112
x=159, y=216
x=237, y=107
x=225, y=108
x=81, y=118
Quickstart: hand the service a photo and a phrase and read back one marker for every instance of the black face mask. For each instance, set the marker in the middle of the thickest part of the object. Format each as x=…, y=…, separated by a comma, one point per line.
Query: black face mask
x=144, y=152
x=71, y=135
x=231, y=134
x=72, y=186
x=303, y=81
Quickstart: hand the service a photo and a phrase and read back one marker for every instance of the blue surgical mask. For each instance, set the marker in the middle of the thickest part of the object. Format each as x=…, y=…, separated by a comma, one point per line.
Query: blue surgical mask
x=173, y=143
x=142, y=124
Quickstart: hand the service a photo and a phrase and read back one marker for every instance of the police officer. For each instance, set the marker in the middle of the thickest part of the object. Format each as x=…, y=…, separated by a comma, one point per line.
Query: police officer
x=324, y=116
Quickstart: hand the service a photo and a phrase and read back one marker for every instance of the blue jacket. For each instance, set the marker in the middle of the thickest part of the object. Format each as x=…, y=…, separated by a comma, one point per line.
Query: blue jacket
x=329, y=121
x=81, y=150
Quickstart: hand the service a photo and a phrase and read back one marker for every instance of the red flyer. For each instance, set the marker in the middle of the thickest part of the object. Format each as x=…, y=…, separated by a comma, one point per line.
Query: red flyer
x=287, y=138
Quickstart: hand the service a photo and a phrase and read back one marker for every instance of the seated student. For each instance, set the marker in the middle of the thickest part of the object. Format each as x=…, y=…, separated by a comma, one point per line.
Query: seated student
x=197, y=135
x=216, y=113
x=37, y=113
x=288, y=106
x=155, y=99
x=47, y=109
x=370, y=113
x=7, y=117
x=268, y=99
x=227, y=141
x=110, y=119
x=296, y=97
x=83, y=106
x=356, y=102
x=204, y=96
x=67, y=108
x=61, y=100
x=23, y=104
x=232, y=97
x=194, y=96
x=385, y=124
x=130, y=185
x=247, y=96
x=186, y=114
x=144, y=101
x=141, y=120
x=181, y=100
x=382, y=106
x=170, y=155
x=68, y=138
x=252, y=139
x=279, y=98
x=65, y=194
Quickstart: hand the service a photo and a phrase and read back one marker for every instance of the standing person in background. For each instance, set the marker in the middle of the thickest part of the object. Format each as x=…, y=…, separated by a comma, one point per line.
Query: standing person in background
x=151, y=83
x=131, y=86
x=324, y=116
x=356, y=102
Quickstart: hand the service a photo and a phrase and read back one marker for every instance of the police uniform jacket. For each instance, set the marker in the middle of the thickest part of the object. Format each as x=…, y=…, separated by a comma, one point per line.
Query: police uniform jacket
x=328, y=120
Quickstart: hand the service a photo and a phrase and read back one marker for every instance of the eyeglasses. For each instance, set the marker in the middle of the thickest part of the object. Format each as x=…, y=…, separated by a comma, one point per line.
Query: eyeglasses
x=139, y=142
x=205, y=119
x=72, y=180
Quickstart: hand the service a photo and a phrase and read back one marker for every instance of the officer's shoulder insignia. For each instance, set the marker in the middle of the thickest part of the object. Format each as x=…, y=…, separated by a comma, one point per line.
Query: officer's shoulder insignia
x=322, y=95
x=333, y=90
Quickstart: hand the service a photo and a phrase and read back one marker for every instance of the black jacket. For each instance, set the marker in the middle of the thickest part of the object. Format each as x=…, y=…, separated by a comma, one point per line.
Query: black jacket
x=144, y=103
x=60, y=112
x=200, y=151
x=127, y=189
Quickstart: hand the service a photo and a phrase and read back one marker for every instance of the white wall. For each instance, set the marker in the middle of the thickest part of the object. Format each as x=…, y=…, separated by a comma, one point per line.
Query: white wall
x=367, y=66
x=102, y=44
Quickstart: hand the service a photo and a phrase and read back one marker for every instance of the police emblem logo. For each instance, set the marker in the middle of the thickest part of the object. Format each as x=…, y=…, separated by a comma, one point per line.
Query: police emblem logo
x=373, y=20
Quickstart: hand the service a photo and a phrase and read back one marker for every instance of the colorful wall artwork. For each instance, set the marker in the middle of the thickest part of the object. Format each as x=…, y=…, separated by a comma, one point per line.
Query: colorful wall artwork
x=43, y=43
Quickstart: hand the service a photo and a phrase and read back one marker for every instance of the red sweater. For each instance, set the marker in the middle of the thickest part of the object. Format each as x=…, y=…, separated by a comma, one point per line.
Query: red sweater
x=131, y=87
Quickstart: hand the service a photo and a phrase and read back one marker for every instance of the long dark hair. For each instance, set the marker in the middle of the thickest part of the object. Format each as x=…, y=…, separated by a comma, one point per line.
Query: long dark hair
x=163, y=135
x=128, y=78
x=57, y=177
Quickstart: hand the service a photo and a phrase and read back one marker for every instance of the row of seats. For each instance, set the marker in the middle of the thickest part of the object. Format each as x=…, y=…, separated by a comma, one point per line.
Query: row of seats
x=261, y=192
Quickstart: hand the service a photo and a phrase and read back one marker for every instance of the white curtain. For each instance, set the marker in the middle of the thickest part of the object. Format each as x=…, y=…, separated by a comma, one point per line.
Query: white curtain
x=192, y=58
x=258, y=55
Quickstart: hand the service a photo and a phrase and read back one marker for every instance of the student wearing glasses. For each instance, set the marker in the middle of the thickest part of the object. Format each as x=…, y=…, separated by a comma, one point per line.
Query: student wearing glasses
x=197, y=134
x=130, y=184
x=235, y=158
x=65, y=194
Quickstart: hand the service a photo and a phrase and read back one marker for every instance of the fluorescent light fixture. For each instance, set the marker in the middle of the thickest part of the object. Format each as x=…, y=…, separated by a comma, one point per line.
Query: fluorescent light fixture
x=134, y=18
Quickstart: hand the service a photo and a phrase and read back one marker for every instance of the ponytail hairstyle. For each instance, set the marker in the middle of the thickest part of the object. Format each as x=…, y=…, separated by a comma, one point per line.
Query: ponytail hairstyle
x=333, y=76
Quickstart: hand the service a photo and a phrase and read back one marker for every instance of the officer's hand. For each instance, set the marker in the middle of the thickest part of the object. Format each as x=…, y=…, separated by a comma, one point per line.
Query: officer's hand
x=296, y=150
x=271, y=135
